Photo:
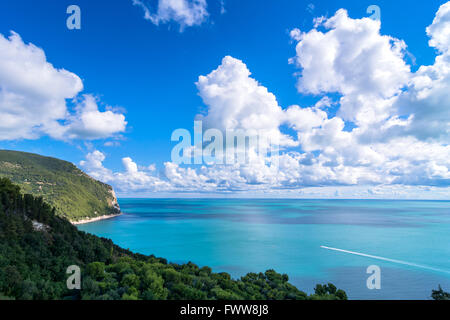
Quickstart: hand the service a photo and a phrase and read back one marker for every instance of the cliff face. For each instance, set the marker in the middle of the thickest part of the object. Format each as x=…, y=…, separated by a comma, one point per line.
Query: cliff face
x=75, y=195
x=113, y=200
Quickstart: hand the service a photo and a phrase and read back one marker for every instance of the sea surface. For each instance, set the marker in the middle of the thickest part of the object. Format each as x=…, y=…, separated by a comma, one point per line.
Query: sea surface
x=240, y=236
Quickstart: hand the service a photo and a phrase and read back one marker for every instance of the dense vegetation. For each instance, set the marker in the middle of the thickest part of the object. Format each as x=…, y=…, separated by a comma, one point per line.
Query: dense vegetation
x=440, y=294
x=36, y=247
x=74, y=194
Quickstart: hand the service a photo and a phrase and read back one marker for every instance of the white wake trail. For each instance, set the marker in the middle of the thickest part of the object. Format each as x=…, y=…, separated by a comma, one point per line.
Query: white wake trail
x=387, y=259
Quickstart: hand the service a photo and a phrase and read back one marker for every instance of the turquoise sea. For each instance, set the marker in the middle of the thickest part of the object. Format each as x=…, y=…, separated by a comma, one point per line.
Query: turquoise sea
x=240, y=235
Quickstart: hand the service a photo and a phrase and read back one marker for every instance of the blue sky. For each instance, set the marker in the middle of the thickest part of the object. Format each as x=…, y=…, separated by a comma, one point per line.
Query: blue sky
x=148, y=72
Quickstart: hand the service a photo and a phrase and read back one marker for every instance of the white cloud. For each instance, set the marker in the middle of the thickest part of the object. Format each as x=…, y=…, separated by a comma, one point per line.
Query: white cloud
x=112, y=144
x=398, y=146
x=186, y=13
x=238, y=102
x=427, y=97
x=33, y=95
x=32, y=92
x=295, y=34
x=353, y=59
x=396, y=112
x=439, y=30
x=94, y=166
x=292, y=179
x=130, y=180
x=90, y=123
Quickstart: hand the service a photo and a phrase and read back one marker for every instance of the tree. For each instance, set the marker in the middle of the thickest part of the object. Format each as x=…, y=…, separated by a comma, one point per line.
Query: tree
x=33, y=264
x=440, y=294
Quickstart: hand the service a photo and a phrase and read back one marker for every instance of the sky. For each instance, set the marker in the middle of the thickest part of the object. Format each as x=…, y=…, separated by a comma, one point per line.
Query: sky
x=357, y=100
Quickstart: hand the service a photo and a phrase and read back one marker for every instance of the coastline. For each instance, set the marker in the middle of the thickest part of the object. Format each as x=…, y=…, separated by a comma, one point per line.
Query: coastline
x=95, y=219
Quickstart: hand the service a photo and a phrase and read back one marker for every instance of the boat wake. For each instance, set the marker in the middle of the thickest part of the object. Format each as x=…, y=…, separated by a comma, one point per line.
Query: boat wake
x=389, y=260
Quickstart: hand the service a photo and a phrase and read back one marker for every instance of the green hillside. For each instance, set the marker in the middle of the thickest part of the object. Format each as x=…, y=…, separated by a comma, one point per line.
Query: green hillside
x=73, y=193
x=36, y=247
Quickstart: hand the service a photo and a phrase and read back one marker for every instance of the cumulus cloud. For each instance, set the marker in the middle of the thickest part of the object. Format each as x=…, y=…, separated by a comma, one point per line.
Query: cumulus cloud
x=316, y=180
x=90, y=123
x=186, y=13
x=353, y=59
x=132, y=179
x=395, y=112
x=427, y=98
x=397, y=145
x=439, y=30
x=33, y=93
x=236, y=101
x=94, y=166
x=33, y=96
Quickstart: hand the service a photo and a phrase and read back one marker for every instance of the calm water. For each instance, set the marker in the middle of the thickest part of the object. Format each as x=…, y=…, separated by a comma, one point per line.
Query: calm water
x=240, y=236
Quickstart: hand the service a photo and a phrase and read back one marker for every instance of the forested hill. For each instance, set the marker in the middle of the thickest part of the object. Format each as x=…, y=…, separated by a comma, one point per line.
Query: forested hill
x=73, y=193
x=37, y=247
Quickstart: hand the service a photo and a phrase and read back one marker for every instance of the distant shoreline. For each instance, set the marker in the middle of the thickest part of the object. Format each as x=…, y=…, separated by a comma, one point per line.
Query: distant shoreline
x=89, y=220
